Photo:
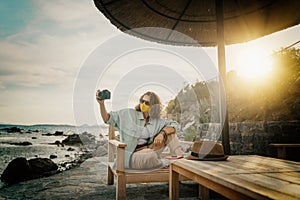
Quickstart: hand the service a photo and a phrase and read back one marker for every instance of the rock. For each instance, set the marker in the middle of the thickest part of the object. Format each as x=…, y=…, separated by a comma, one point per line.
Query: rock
x=21, y=143
x=58, y=143
x=72, y=140
x=58, y=133
x=53, y=156
x=42, y=167
x=12, y=130
x=47, y=134
x=70, y=149
x=17, y=170
x=88, y=138
x=100, y=152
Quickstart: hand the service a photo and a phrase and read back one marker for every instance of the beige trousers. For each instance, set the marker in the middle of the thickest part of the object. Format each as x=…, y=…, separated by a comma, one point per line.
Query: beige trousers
x=172, y=143
x=147, y=157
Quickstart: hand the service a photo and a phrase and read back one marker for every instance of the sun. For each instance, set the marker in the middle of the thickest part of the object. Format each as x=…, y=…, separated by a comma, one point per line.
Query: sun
x=254, y=63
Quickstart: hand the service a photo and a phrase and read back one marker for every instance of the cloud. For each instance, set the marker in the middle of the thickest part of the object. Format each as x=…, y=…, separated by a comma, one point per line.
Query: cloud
x=39, y=64
x=52, y=47
x=67, y=11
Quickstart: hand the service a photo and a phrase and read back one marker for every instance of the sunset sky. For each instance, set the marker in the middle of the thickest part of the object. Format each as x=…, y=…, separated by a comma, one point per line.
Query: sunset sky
x=44, y=45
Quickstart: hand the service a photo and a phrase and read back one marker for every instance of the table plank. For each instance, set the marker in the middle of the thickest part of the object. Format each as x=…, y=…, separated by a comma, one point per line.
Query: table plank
x=231, y=166
x=260, y=166
x=266, y=160
x=256, y=165
x=285, y=176
x=268, y=186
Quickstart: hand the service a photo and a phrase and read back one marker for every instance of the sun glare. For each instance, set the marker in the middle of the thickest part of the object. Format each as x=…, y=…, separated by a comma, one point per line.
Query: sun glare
x=254, y=64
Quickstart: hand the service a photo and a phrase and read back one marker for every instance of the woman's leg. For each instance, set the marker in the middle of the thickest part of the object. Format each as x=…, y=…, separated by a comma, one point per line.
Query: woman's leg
x=145, y=159
x=172, y=142
x=174, y=145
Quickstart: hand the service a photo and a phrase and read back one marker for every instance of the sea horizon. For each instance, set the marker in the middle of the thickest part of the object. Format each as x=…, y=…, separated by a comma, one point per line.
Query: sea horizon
x=49, y=124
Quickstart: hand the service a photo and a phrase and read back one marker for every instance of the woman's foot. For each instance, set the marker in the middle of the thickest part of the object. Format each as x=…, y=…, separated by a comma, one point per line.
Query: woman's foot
x=165, y=163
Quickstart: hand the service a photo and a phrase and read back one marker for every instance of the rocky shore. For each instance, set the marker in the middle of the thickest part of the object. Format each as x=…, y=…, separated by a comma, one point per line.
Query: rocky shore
x=46, y=154
x=88, y=181
x=87, y=178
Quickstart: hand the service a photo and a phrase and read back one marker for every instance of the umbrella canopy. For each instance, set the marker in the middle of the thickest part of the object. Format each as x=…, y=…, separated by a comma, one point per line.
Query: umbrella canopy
x=244, y=20
x=209, y=23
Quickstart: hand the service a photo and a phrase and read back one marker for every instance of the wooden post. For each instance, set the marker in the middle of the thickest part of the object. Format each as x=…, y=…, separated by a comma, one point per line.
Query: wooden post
x=222, y=79
x=203, y=192
x=121, y=186
x=281, y=153
x=174, y=184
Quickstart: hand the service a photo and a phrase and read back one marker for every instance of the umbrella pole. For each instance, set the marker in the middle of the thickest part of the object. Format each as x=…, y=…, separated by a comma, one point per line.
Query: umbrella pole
x=222, y=79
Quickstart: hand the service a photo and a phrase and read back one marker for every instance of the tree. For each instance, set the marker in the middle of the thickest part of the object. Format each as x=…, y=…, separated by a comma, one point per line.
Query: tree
x=277, y=98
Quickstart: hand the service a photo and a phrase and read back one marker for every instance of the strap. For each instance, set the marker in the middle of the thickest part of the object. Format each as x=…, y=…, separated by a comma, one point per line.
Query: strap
x=206, y=155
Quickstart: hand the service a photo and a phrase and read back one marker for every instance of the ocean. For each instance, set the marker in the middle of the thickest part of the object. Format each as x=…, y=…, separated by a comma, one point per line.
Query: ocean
x=42, y=139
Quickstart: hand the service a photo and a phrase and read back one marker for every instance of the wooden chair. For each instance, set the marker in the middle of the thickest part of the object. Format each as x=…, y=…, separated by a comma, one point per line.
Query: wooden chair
x=116, y=150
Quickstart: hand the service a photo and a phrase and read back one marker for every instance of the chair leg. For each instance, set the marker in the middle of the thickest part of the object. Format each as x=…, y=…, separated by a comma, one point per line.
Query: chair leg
x=110, y=176
x=121, y=187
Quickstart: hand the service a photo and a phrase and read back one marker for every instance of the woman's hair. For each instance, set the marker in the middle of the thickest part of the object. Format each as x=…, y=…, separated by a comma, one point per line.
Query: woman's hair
x=155, y=104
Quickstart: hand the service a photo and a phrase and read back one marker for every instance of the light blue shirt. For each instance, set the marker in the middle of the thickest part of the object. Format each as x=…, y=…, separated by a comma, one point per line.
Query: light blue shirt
x=130, y=124
x=144, y=137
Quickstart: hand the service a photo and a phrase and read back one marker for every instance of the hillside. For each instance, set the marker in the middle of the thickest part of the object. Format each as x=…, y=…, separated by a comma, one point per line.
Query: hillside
x=274, y=97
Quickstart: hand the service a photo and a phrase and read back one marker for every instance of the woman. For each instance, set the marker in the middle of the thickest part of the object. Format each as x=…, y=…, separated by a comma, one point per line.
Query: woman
x=144, y=131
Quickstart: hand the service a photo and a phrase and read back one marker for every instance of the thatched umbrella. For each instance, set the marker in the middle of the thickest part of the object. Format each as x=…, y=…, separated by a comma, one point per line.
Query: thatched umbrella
x=209, y=23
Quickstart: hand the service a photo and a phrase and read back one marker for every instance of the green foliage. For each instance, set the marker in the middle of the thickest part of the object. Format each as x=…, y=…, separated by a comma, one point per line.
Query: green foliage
x=272, y=98
x=198, y=98
x=276, y=98
x=191, y=134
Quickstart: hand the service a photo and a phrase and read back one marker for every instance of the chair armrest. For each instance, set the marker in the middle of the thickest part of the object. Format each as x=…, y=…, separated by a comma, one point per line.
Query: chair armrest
x=117, y=143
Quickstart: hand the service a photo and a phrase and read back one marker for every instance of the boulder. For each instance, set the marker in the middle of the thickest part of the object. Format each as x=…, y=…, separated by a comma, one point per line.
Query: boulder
x=88, y=138
x=57, y=133
x=17, y=170
x=100, y=152
x=72, y=140
x=42, y=167
x=21, y=169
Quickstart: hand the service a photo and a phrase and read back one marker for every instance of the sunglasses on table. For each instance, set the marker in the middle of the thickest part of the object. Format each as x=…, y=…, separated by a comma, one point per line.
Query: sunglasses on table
x=144, y=101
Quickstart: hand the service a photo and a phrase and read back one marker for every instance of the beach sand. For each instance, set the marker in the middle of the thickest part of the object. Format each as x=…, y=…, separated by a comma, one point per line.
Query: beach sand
x=88, y=181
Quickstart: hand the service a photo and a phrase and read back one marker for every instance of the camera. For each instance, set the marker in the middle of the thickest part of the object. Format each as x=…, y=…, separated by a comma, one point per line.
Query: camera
x=104, y=94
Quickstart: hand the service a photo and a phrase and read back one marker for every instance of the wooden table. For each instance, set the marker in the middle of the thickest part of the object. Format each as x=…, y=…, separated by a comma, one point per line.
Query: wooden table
x=240, y=177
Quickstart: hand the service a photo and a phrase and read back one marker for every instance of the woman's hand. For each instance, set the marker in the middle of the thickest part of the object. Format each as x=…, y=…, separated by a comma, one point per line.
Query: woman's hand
x=105, y=116
x=159, y=140
x=97, y=97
